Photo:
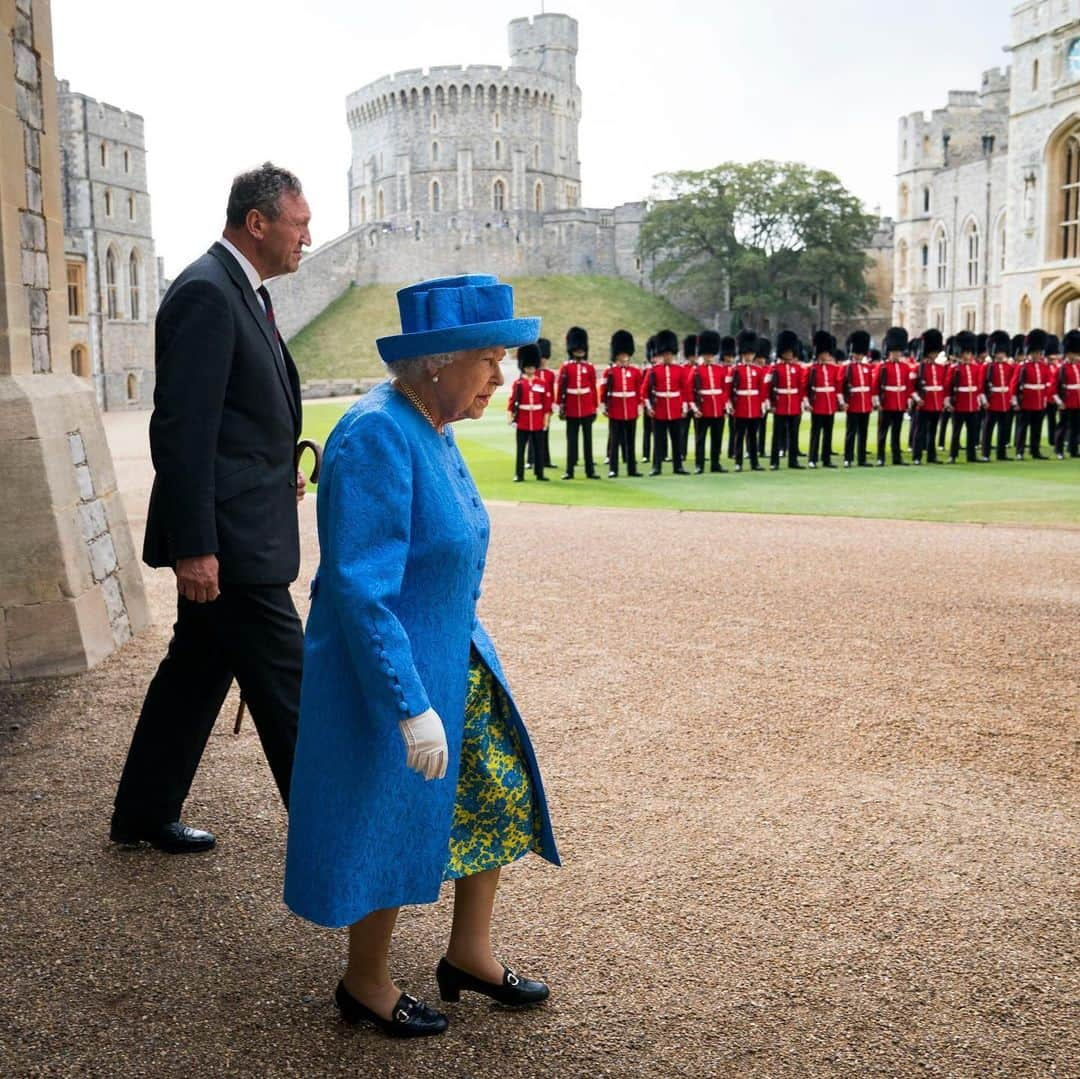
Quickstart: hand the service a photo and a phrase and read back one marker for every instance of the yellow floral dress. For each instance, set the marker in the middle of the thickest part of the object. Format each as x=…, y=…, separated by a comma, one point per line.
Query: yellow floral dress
x=496, y=820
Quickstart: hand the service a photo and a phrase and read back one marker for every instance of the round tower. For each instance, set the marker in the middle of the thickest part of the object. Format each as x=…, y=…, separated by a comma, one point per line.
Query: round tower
x=547, y=43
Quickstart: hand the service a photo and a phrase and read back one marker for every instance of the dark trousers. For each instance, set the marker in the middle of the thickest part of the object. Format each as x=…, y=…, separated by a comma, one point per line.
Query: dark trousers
x=545, y=443
x=943, y=427
x=858, y=425
x=251, y=633
x=708, y=429
x=1029, y=429
x=821, y=428
x=1068, y=432
x=999, y=422
x=968, y=422
x=925, y=432
x=761, y=435
x=746, y=435
x=913, y=427
x=1051, y=415
x=889, y=424
x=684, y=436
x=1010, y=423
x=585, y=426
x=533, y=442
x=646, y=437
x=662, y=431
x=785, y=438
x=623, y=433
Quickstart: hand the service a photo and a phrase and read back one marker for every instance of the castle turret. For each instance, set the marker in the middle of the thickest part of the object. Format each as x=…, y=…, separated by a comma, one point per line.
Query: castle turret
x=547, y=43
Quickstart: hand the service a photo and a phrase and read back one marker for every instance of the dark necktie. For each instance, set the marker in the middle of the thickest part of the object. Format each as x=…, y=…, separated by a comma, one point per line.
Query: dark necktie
x=264, y=292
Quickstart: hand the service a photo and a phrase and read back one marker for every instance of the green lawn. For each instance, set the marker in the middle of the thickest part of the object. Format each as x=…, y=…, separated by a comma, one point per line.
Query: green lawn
x=1023, y=492
x=340, y=343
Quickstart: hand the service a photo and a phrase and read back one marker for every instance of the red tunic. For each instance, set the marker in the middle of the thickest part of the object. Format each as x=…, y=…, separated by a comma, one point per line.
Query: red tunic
x=528, y=401
x=997, y=385
x=620, y=392
x=747, y=391
x=1068, y=384
x=931, y=382
x=1031, y=385
x=965, y=385
x=787, y=388
x=547, y=376
x=823, y=388
x=575, y=391
x=665, y=390
x=857, y=387
x=894, y=385
x=710, y=389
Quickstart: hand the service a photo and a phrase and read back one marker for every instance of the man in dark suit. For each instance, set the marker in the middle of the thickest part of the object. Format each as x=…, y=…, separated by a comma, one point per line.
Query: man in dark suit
x=223, y=511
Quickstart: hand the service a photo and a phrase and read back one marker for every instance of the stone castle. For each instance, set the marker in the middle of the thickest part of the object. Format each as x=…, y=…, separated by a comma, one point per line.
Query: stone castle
x=988, y=191
x=459, y=167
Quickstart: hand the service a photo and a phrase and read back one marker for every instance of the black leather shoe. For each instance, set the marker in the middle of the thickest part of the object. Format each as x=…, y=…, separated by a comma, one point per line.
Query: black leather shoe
x=513, y=991
x=757, y=468
x=655, y=472
x=412, y=1018
x=592, y=475
x=172, y=838
x=543, y=479
x=636, y=475
x=681, y=472
x=568, y=475
x=519, y=479
x=798, y=466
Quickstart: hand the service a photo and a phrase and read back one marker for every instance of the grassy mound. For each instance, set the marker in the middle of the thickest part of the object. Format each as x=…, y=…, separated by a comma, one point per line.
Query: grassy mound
x=340, y=343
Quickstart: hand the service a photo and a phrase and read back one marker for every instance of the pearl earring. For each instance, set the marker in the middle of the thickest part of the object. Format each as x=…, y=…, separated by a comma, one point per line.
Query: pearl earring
x=434, y=378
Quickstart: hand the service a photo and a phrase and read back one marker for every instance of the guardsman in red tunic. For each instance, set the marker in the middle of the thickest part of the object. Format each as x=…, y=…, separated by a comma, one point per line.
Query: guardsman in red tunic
x=997, y=378
x=620, y=395
x=787, y=390
x=965, y=397
x=689, y=362
x=1031, y=391
x=575, y=394
x=728, y=353
x=931, y=378
x=646, y=419
x=892, y=394
x=1067, y=391
x=663, y=391
x=547, y=376
x=763, y=359
x=1053, y=361
x=527, y=408
x=710, y=391
x=747, y=394
x=823, y=399
x=857, y=389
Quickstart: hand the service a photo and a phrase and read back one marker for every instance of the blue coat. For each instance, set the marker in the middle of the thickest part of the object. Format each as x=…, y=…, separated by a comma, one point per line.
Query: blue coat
x=403, y=536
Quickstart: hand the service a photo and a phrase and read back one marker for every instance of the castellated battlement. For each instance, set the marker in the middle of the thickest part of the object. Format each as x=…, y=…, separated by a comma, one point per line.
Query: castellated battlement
x=100, y=118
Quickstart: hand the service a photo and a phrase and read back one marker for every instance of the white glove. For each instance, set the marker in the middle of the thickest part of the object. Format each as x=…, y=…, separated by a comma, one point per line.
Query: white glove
x=425, y=744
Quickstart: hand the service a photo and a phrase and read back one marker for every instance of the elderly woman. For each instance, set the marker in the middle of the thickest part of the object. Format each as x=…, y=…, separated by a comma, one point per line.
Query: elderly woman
x=413, y=765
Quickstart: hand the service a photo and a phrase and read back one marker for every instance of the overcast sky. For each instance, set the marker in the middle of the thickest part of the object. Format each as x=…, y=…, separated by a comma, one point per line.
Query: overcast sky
x=682, y=84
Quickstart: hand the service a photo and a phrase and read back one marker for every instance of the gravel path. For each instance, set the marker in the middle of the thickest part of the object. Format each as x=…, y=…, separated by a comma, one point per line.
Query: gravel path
x=814, y=782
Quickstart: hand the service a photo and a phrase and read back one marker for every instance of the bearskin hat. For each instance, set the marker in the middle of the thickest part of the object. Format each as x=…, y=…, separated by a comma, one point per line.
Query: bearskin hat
x=997, y=342
x=690, y=345
x=528, y=356
x=622, y=343
x=708, y=343
x=981, y=342
x=650, y=348
x=788, y=341
x=965, y=341
x=839, y=355
x=666, y=341
x=1019, y=343
x=728, y=346
x=875, y=355
x=747, y=342
x=1036, y=341
x=1071, y=344
x=860, y=342
x=764, y=348
x=932, y=341
x=1053, y=345
x=545, y=348
x=577, y=340
x=823, y=342
x=896, y=339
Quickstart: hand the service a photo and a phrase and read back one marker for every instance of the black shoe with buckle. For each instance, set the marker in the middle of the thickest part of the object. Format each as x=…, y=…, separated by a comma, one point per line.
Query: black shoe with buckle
x=171, y=838
x=411, y=1018
x=513, y=991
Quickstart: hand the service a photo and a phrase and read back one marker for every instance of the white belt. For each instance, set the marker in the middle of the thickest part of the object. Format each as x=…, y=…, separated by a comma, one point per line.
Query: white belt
x=967, y=389
x=530, y=408
x=668, y=393
x=745, y=393
x=823, y=389
x=1033, y=386
x=931, y=389
x=584, y=389
x=1072, y=385
x=999, y=389
x=623, y=393
x=713, y=393
x=778, y=390
x=858, y=389
x=903, y=389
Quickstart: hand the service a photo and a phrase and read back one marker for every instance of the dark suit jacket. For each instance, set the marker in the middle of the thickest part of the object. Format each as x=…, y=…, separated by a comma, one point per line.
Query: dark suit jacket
x=224, y=430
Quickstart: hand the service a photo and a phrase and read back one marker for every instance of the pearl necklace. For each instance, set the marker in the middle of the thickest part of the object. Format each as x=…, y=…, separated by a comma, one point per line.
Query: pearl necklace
x=414, y=398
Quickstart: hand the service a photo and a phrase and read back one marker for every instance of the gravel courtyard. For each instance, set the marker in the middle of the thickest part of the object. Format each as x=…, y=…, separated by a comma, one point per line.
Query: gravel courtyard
x=814, y=783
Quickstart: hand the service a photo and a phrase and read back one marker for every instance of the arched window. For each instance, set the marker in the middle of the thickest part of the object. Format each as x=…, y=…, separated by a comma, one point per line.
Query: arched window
x=926, y=200
x=496, y=119
x=104, y=156
x=434, y=121
x=925, y=265
x=1070, y=199
x=903, y=202
x=536, y=156
x=902, y=264
x=941, y=252
x=1035, y=75
x=971, y=236
x=75, y=290
x=1025, y=314
x=132, y=387
x=434, y=150
x=498, y=195
x=127, y=161
x=112, y=306
x=363, y=209
x=498, y=150
x=79, y=366
x=131, y=207
x=538, y=197
x=108, y=204
x=382, y=205
x=134, y=285
x=436, y=196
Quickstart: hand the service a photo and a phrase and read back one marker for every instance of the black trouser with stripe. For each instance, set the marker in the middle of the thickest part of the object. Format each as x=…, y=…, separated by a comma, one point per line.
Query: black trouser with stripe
x=999, y=422
x=585, y=425
x=1029, y=429
x=622, y=442
x=925, y=432
x=858, y=425
x=662, y=431
x=1068, y=431
x=646, y=437
x=532, y=441
x=889, y=425
x=746, y=435
x=821, y=428
x=709, y=428
x=785, y=436
x=969, y=423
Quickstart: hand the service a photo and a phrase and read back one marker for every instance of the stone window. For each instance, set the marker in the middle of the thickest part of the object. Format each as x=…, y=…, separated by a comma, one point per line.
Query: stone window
x=1025, y=314
x=571, y=195
x=434, y=121
x=132, y=387
x=127, y=161
x=904, y=202
x=496, y=121
x=925, y=265
x=434, y=151
x=901, y=264
x=498, y=150
x=607, y=221
x=131, y=207
x=971, y=235
x=76, y=290
x=108, y=203
x=436, y=196
x=937, y=318
x=104, y=154
x=1070, y=199
x=967, y=318
x=363, y=209
x=941, y=249
x=79, y=364
x=134, y=285
x=926, y=200
x=538, y=197
x=498, y=195
x=382, y=205
x=112, y=305
x=1035, y=75
x=536, y=156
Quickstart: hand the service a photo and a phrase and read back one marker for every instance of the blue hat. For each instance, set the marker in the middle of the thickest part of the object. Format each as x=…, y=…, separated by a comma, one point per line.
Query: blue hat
x=451, y=314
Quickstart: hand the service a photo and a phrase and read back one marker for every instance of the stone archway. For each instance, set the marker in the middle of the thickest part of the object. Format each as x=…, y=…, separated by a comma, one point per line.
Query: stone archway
x=1061, y=307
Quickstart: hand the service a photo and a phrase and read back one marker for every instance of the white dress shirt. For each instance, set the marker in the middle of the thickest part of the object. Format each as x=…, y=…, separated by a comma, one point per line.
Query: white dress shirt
x=249, y=271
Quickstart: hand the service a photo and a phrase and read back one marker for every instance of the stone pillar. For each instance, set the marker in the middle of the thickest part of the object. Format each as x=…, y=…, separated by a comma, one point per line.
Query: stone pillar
x=70, y=586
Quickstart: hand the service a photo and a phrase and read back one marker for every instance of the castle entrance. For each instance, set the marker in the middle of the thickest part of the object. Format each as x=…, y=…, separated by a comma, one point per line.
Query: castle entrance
x=1061, y=308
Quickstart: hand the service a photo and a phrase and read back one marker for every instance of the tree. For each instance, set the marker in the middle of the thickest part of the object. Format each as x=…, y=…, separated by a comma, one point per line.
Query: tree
x=769, y=236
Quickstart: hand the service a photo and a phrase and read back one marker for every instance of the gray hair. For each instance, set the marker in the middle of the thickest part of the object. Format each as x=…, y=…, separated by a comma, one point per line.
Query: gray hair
x=417, y=366
x=260, y=189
